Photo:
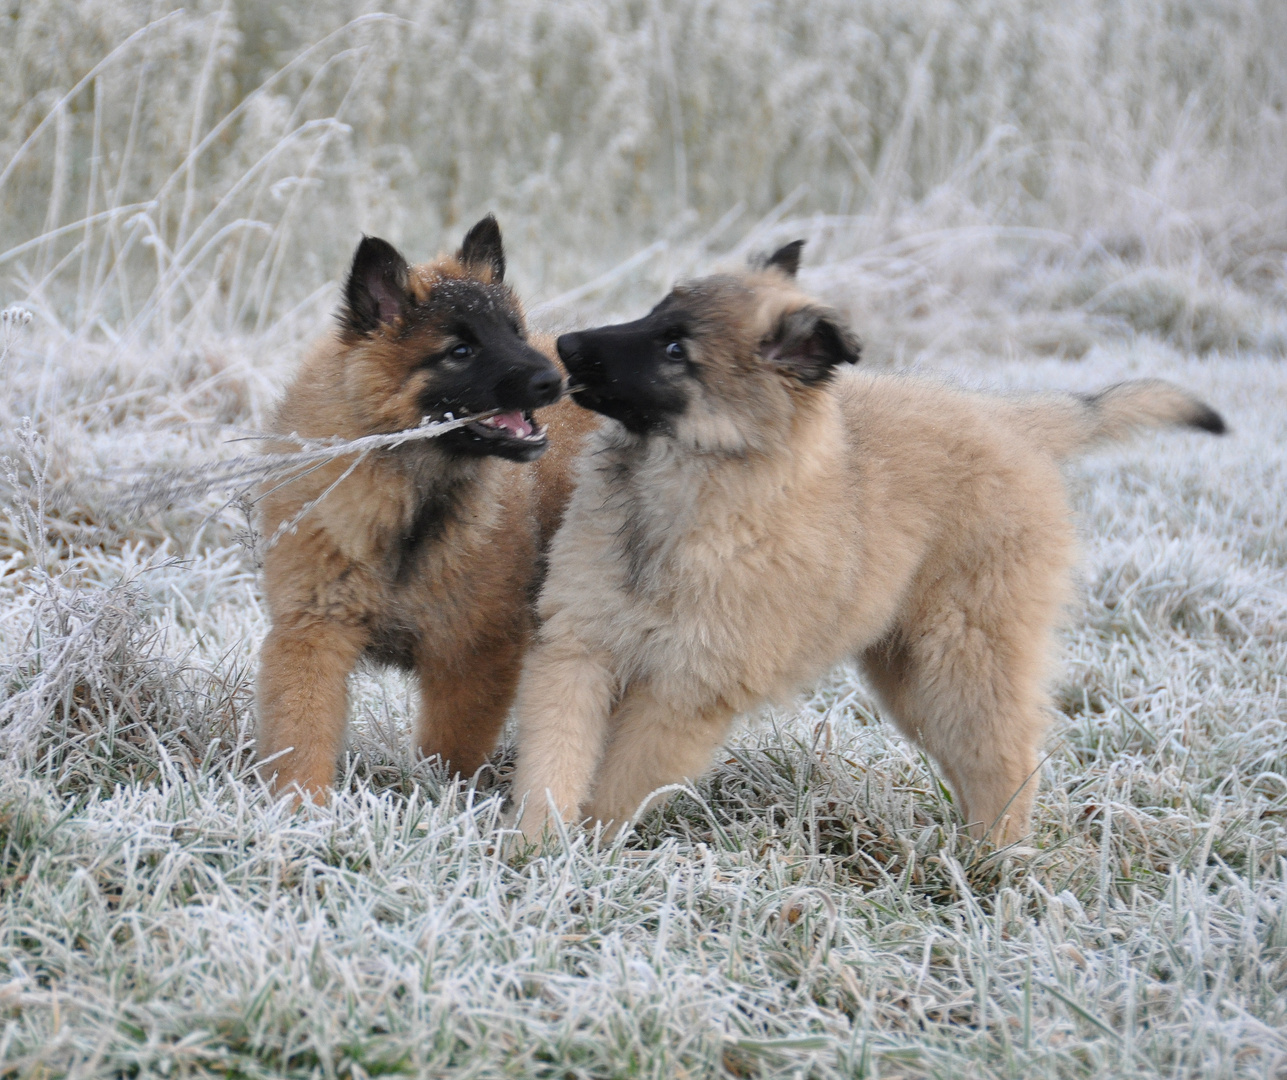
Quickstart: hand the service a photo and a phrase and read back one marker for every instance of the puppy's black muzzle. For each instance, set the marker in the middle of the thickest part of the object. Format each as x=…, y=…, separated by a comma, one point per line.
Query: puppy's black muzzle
x=507, y=382
x=585, y=372
x=546, y=386
x=622, y=372
x=570, y=352
x=531, y=382
x=604, y=358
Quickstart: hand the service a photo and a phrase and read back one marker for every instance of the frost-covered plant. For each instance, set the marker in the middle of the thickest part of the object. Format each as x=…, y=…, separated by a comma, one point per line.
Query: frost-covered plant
x=12, y=319
x=213, y=166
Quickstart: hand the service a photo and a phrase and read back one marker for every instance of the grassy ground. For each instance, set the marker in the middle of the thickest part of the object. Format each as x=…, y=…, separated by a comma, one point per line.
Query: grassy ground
x=808, y=909
x=1018, y=201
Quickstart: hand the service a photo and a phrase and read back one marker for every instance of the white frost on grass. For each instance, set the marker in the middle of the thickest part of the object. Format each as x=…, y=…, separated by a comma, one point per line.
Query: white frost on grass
x=991, y=191
x=812, y=909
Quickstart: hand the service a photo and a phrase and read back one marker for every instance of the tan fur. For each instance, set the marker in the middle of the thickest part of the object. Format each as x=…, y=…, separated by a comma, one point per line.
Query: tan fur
x=339, y=586
x=781, y=528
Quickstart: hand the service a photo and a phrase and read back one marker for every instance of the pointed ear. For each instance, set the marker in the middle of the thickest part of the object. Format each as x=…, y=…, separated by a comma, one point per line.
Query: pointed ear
x=483, y=252
x=786, y=258
x=376, y=291
x=808, y=343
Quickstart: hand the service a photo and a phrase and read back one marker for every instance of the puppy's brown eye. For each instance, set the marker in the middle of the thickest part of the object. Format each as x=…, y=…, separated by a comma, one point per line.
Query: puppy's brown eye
x=462, y=351
x=676, y=351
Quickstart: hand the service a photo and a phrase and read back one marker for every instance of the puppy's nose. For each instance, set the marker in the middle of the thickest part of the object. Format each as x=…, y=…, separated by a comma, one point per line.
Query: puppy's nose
x=569, y=345
x=546, y=386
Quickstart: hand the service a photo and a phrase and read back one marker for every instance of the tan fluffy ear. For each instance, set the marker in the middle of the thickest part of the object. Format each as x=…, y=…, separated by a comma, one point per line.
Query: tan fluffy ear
x=376, y=292
x=808, y=343
x=483, y=252
x=786, y=258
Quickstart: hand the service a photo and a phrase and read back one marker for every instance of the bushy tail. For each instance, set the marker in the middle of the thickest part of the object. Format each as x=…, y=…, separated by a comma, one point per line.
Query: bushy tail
x=1070, y=423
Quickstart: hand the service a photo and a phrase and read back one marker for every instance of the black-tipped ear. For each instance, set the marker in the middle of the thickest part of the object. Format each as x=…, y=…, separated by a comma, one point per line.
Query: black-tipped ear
x=376, y=291
x=482, y=249
x=786, y=258
x=808, y=343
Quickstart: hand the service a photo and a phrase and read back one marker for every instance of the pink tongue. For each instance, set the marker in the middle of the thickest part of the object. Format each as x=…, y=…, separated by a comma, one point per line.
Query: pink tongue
x=513, y=422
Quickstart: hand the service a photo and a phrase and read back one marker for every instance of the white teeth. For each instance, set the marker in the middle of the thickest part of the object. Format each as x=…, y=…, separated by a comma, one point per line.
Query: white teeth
x=534, y=433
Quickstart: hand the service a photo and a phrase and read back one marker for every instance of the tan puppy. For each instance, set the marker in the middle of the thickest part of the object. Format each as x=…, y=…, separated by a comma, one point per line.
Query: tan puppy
x=758, y=510
x=427, y=557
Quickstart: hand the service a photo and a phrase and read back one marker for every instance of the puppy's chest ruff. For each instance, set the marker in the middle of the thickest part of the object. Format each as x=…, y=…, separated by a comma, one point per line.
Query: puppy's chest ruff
x=650, y=533
x=430, y=516
x=692, y=570
x=425, y=569
x=431, y=528
x=677, y=563
x=677, y=534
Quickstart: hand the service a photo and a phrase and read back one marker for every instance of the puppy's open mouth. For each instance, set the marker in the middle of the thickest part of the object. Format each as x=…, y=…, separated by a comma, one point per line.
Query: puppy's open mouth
x=515, y=426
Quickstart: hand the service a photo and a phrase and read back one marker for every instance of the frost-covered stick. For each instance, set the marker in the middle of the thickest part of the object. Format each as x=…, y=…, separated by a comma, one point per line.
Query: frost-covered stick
x=242, y=473
x=290, y=524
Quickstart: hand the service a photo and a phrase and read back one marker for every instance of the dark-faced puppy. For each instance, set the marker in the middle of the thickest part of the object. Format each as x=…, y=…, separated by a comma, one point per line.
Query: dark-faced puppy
x=758, y=509
x=457, y=347
x=427, y=555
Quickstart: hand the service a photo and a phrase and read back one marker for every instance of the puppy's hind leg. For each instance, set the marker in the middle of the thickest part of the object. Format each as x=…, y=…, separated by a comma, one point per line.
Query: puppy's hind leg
x=651, y=745
x=976, y=706
x=302, y=702
x=464, y=701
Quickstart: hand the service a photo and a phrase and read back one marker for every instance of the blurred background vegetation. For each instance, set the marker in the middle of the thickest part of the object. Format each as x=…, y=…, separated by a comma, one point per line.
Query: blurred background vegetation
x=210, y=168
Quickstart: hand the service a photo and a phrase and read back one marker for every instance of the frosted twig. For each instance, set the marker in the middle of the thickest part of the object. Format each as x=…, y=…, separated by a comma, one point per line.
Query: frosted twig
x=239, y=475
x=289, y=524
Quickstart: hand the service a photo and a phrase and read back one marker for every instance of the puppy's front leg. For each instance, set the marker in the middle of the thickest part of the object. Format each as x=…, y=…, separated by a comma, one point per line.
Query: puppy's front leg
x=653, y=744
x=302, y=703
x=564, y=699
